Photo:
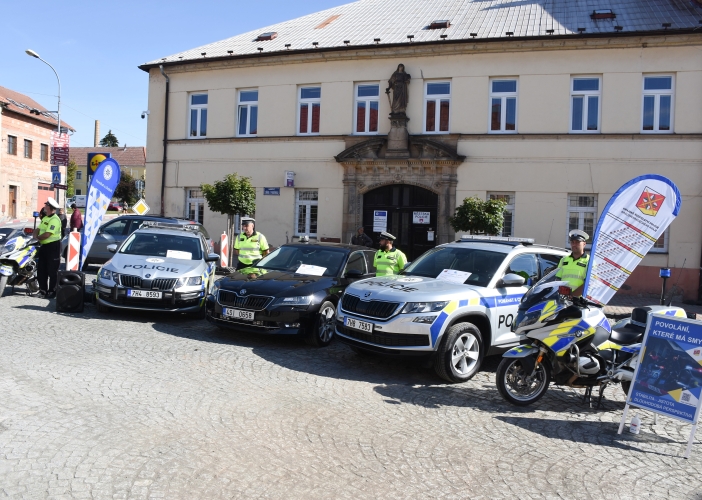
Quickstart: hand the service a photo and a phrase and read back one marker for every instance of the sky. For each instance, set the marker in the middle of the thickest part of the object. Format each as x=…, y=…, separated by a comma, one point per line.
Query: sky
x=95, y=47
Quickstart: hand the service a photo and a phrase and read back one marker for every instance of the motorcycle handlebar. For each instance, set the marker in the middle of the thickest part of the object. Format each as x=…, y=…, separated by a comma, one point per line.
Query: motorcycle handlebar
x=583, y=302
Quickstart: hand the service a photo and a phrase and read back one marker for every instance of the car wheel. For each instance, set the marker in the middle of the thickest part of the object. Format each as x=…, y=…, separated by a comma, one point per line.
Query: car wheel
x=460, y=353
x=321, y=332
x=102, y=308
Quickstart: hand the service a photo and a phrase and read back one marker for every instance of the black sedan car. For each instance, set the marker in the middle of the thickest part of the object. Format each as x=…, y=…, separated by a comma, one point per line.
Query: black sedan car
x=293, y=290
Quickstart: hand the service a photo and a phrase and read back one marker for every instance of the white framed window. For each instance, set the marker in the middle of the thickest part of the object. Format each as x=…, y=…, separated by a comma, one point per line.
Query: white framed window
x=582, y=214
x=365, y=118
x=503, y=106
x=661, y=245
x=585, y=102
x=198, y=115
x=437, y=107
x=306, y=204
x=248, y=113
x=196, y=205
x=657, y=108
x=79, y=175
x=508, y=198
x=308, y=110
x=79, y=192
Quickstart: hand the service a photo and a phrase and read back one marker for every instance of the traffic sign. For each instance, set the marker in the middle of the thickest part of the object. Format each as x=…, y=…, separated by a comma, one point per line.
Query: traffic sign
x=54, y=168
x=56, y=178
x=59, y=186
x=141, y=208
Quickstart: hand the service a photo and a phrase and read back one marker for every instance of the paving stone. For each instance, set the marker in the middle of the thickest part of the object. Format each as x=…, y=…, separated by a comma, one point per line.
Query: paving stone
x=137, y=405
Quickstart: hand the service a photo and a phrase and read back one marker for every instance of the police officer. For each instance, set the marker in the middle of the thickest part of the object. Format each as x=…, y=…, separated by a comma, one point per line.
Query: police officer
x=573, y=267
x=388, y=260
x=250, y=246
x=49, y=256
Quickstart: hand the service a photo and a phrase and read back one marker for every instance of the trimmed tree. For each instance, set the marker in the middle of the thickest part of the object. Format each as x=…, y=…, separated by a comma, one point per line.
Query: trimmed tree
x=109, y=141
x=231, y=196
x=479, y=217
x=126, y=189
x=71, y=178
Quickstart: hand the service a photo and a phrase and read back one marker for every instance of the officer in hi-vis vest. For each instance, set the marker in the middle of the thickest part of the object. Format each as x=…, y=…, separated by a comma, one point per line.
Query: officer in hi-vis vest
x=388, y=260
x=49, y=255
x=250, y=246
x=573, y=267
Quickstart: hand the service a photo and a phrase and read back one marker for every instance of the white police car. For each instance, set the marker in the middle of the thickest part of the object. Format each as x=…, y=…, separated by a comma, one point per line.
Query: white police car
x=163, y=267
x=454, y=304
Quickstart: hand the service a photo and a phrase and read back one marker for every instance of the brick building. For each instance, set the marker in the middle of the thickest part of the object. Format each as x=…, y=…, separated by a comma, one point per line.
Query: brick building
x=132, y=160
x=25, y=169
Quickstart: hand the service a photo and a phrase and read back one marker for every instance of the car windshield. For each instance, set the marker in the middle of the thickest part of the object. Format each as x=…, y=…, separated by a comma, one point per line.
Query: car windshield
x=481, y=265
x=163, y=245
x=310, y=260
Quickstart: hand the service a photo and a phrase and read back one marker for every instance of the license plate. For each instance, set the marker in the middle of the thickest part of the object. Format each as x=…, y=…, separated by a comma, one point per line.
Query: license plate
x=364, y=326
x=144, y=294
x=6, y=270
x=238, y=314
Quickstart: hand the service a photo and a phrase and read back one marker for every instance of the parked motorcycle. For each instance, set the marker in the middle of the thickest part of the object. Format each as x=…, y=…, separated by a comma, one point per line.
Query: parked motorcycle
x=18, y=264
x=568, y=340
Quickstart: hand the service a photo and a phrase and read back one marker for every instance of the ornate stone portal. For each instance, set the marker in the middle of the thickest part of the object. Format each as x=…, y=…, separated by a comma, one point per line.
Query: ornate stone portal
x=427, y=161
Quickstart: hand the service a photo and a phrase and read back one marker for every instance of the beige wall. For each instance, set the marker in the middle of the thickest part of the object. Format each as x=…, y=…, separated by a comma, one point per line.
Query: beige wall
x=542, y=164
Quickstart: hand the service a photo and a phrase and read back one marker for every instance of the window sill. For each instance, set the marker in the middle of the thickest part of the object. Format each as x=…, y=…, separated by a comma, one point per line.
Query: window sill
x=502, y=132
x=581, y=132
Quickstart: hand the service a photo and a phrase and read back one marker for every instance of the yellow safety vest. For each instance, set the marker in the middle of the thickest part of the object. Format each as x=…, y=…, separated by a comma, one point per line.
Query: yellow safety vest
x=573, y=270
x=389, y=263
x=250, y=248
x=50, y=224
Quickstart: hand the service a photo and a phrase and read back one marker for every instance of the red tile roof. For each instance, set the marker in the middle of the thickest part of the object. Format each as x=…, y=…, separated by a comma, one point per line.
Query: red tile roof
x=127, y=156
x=21, y=104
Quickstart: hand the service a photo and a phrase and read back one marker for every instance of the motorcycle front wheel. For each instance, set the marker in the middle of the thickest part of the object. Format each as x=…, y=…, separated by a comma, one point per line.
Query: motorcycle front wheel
x=3, y=284
x=517, y=386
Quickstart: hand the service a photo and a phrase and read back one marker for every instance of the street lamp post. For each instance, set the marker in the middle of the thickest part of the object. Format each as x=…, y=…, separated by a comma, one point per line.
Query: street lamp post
x=30, y=52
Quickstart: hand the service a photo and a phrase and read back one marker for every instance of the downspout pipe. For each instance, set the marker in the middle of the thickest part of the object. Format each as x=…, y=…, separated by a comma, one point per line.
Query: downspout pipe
x=165, y=142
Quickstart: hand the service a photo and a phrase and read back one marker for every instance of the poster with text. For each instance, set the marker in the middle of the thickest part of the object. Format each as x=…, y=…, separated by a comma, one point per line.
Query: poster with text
x=668, y=380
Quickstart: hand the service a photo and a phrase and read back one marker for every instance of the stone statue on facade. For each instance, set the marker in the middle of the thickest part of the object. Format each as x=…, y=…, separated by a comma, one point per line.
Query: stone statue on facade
x=399, y=83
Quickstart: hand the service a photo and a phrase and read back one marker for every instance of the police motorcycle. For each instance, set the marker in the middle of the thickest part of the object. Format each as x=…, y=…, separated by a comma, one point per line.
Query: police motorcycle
x=569, y=341
x=18, y=264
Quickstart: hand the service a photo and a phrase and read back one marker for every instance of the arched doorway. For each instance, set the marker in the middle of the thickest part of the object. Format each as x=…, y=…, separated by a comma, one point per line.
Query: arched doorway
x=406, y=206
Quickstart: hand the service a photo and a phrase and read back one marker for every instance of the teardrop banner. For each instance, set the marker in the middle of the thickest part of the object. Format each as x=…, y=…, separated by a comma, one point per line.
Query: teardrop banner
x=102, y=187
x=633, y=220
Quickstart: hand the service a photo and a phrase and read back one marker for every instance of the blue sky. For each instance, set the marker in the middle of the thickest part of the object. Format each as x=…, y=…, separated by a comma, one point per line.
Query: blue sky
x=96, y=47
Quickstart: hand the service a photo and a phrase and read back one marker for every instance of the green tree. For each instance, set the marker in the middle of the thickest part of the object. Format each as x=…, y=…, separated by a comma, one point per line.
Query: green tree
x=109, y=141
x=126, y=189
x=232, y=196
x=479, y=217
x=71, y=178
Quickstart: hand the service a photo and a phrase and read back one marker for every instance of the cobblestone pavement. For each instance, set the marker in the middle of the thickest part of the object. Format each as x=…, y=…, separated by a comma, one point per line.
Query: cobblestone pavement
x=153, y=406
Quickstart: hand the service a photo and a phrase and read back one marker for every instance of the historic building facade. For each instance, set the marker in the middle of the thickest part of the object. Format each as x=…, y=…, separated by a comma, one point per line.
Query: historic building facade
x=25, y=170
x=549, y=108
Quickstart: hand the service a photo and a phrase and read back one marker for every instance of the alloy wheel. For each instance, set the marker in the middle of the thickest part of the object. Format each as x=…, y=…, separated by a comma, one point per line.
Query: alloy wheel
x=465, y=353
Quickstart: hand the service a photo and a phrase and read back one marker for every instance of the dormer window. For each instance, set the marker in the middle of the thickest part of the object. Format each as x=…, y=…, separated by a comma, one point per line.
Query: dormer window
x=602, y=14
x=440, y=24
x=266, y=36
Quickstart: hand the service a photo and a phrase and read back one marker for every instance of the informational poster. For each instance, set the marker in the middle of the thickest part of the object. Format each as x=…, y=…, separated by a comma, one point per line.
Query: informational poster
x=380, y=221
x=421, y=217
x=668, y=380
x=310, y=270
x=453, y=276
x=289, y=178
x=633, y=220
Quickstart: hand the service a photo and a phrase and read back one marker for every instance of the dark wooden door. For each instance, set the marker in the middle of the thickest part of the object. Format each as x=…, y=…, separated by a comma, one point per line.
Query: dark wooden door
x=402, y=201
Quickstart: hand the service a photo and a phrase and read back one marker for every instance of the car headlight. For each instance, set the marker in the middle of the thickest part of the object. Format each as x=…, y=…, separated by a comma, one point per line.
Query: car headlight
x=302, y=300
x=191, y=281
x=106, y=274
x=423, y=307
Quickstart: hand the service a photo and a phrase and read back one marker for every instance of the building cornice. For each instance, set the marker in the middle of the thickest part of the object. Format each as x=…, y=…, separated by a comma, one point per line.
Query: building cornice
x=441, y=48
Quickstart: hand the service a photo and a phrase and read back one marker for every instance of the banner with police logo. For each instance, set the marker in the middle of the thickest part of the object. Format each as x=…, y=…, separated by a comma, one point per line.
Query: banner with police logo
x=102, y=186
x=633, y=220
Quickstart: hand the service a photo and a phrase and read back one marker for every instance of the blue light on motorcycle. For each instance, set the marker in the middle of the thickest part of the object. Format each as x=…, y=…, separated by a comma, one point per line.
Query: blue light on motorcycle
x=664, y=272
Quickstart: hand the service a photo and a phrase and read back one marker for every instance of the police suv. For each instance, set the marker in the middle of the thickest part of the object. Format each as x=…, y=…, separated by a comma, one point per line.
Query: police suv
x=454, y=304
x=164, y=267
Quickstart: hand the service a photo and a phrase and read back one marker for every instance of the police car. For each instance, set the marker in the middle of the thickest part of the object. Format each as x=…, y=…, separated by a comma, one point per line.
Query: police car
x=163, y=267
x=454, y=304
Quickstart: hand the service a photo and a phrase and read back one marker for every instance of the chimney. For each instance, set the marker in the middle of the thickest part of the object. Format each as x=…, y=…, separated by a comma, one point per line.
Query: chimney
x=96, y=140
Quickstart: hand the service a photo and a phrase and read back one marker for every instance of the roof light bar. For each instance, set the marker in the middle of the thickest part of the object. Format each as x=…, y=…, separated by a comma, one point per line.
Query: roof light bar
x=469, y=237
x=168, y=225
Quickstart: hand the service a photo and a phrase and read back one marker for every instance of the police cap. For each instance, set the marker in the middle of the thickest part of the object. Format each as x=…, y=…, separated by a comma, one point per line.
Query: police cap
x=577, y=234
x=246, y=220
x=387, y=236
x=52, y=203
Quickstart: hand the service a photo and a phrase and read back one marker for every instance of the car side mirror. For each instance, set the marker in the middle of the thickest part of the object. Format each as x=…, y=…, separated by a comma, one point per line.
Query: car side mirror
x=112, y=248
x=213, y=257
x=511, y=280
x=353, y=274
